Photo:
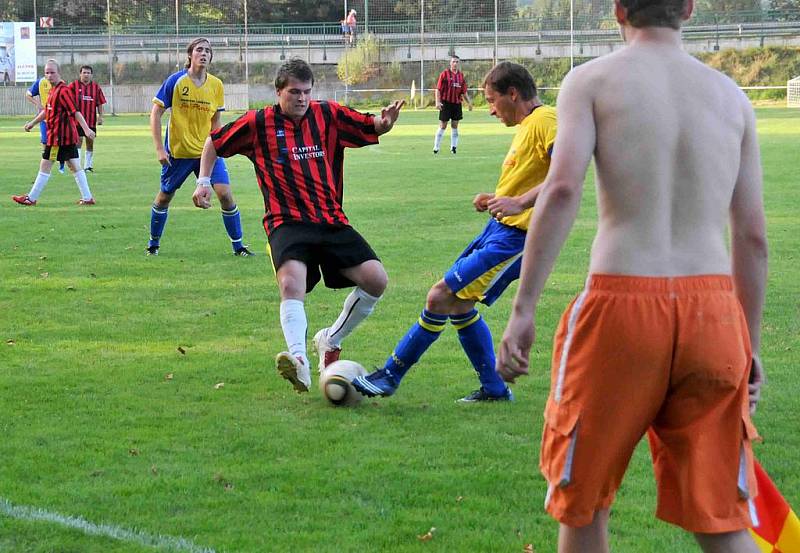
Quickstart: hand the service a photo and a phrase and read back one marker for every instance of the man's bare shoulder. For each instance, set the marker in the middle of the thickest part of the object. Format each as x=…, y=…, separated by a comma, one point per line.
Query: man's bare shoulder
x=594, y=72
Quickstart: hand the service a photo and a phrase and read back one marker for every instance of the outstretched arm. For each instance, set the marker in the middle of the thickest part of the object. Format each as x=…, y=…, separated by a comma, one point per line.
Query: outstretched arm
x=202, y=194
x=155, y=131
x=467, y=99
x=30, y=124
x=389, y=115
x=505, y=206
x=90, y=134
x=557, y=207
x=749, y=246
x=35, y=100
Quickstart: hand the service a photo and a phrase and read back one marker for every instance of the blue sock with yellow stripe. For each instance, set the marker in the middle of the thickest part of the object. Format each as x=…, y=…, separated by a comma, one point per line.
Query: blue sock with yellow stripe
x=476, y=339
x=416, y=341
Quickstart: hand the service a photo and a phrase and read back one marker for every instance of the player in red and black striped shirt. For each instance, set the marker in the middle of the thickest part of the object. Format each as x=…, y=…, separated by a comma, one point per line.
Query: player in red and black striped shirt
x=89, y=100
x=297, y=149
x=451, y=90
x=62, y=138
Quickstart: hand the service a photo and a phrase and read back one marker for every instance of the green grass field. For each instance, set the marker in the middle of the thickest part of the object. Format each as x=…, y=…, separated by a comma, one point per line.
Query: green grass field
x=91, y=427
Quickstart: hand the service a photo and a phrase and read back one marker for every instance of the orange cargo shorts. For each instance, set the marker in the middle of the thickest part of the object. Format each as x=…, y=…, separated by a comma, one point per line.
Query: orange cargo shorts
x=669, y=357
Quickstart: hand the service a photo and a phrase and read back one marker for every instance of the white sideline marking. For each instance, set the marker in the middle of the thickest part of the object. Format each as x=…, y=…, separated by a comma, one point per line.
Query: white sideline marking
x=22, y=512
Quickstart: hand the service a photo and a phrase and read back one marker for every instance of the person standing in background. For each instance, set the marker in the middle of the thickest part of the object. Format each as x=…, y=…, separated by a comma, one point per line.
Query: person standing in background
x=451, y=91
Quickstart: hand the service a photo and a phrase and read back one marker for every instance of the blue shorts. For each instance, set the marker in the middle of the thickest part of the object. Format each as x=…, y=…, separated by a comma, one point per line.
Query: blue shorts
x=489, y=264
x=43, y=131
x=173, y=175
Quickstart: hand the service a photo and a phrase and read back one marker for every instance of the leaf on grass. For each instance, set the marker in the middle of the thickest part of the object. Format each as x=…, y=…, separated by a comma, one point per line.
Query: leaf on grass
x=181, y=350
x=10, y=342
x=44, y=275
x=43, y=257
x=133, y=452
x=529, y=548
x=70, y=288
x=219, y=385
x=228, y=486
x=168, y=376
x=153, y=469
x=428, y=536
x=459, y=499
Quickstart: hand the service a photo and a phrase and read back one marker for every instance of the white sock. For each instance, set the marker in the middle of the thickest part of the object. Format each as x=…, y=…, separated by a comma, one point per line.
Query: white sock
x=453, y=138
x=438, y=140
x=295, y=326
x=38, y=185
x=83, y=184
x=89, y=156
x=357, y=307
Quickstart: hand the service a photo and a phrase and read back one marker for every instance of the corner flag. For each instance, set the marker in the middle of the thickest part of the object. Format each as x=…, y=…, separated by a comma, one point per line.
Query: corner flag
x=778, y=528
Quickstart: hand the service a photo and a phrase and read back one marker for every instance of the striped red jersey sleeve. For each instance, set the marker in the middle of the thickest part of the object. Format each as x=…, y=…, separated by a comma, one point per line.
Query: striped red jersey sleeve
x=355, y=129
x=60, y=118
x=237, y=137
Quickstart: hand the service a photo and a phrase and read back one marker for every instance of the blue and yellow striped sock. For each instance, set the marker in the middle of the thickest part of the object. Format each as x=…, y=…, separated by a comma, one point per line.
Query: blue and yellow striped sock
x=476, y=339
x=416, y=341
x=233, y=224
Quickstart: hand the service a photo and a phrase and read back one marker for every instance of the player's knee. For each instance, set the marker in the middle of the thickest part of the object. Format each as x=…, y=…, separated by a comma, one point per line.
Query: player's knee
x=291, y=287
x=375, y=284
x=440, y=298
x=162, y=199
x=226, y=200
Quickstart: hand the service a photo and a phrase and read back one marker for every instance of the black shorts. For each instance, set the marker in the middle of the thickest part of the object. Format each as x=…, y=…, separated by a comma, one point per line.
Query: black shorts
x=81, y=133
x=450, y=112
x=60, y=153
x=323, y=248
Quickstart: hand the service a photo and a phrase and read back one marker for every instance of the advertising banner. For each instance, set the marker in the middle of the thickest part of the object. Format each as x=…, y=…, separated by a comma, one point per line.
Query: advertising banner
x=17, y=52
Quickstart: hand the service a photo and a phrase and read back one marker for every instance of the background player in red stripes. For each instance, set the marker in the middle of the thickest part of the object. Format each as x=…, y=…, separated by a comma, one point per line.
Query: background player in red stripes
x=89, y=100
x=297, y=149
x=62, y=138
x=451, y=90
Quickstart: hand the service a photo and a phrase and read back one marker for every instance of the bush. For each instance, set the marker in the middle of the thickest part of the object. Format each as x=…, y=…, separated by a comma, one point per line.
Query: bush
x=360, y=63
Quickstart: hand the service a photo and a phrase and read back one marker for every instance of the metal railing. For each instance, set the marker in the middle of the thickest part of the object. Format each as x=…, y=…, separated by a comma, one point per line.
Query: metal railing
x=398, y=35
x=787, y=19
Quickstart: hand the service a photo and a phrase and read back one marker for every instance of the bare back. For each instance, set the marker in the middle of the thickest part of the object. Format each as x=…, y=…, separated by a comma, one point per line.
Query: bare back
x=669, y=134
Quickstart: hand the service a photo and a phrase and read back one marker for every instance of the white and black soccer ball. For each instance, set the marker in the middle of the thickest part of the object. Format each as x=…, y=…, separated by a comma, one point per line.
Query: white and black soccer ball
x=335, y=383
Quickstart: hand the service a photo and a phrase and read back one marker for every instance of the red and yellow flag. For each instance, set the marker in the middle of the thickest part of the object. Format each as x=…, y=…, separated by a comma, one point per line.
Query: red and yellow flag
x=778, y=529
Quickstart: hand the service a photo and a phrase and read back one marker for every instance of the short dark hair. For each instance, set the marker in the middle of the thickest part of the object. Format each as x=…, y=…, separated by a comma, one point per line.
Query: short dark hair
x=295, y=67
x=89, y=67
x=654, y=13
x=192, y=45
x=506, y=74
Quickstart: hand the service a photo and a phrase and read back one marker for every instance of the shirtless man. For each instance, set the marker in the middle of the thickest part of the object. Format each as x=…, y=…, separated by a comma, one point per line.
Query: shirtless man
x=663, y=338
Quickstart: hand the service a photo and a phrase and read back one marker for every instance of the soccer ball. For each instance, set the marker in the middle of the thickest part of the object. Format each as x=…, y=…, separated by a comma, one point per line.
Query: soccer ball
x=335, y=383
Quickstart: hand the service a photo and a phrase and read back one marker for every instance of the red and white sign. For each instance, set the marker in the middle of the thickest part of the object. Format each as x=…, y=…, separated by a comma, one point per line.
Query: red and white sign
x=45, y=22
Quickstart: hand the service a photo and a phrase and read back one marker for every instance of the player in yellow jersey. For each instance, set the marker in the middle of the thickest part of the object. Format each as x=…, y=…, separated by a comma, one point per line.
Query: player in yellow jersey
x=37, y=95
x=492, y=261
x=195, y=99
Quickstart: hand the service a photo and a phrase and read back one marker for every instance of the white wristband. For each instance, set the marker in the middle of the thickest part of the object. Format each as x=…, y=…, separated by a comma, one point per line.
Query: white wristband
x=204, y=181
